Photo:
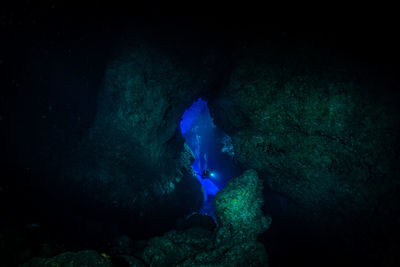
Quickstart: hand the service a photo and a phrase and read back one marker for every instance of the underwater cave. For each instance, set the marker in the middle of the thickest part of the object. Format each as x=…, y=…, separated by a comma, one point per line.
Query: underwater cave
x=203, y=141
x=214, y=163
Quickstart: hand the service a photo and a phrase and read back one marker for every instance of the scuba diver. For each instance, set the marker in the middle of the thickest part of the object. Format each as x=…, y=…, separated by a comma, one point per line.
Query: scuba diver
x=207, y=174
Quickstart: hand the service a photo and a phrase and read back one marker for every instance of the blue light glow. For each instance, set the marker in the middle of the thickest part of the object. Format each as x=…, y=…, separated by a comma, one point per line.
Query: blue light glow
x=196, y=127
x=212, y=149
x=192, y=114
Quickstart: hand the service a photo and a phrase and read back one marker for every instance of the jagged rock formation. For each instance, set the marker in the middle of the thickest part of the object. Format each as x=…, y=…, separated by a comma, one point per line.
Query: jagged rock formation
x=232, y=243
x=134, y=158
x=324, y=135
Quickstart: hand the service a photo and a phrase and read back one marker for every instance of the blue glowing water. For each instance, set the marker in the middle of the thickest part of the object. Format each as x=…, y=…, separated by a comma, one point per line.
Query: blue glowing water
x=193, y=113
x=212, y=149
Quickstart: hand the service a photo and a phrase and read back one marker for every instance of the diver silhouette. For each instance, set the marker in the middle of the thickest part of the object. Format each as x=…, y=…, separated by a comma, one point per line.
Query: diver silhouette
x=206, y=174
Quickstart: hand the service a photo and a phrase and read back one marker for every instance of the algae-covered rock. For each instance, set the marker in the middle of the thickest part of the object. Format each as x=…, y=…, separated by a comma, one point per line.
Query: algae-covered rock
x=88, y=258
x=133, y=159
x=238, y=209
x=177, y=247
x=232, y=243
x=325, y=135
x=199, y=247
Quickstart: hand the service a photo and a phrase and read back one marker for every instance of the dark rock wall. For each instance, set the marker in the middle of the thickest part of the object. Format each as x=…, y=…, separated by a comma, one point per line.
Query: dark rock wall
x=323, y=132
x=133, y=157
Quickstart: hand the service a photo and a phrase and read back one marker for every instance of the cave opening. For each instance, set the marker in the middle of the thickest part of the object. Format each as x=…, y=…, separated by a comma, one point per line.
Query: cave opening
x=214, y=163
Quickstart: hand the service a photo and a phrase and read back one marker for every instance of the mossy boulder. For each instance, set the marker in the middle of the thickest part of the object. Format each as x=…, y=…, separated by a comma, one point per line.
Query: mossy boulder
x=232, y=243
x=238, y=209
